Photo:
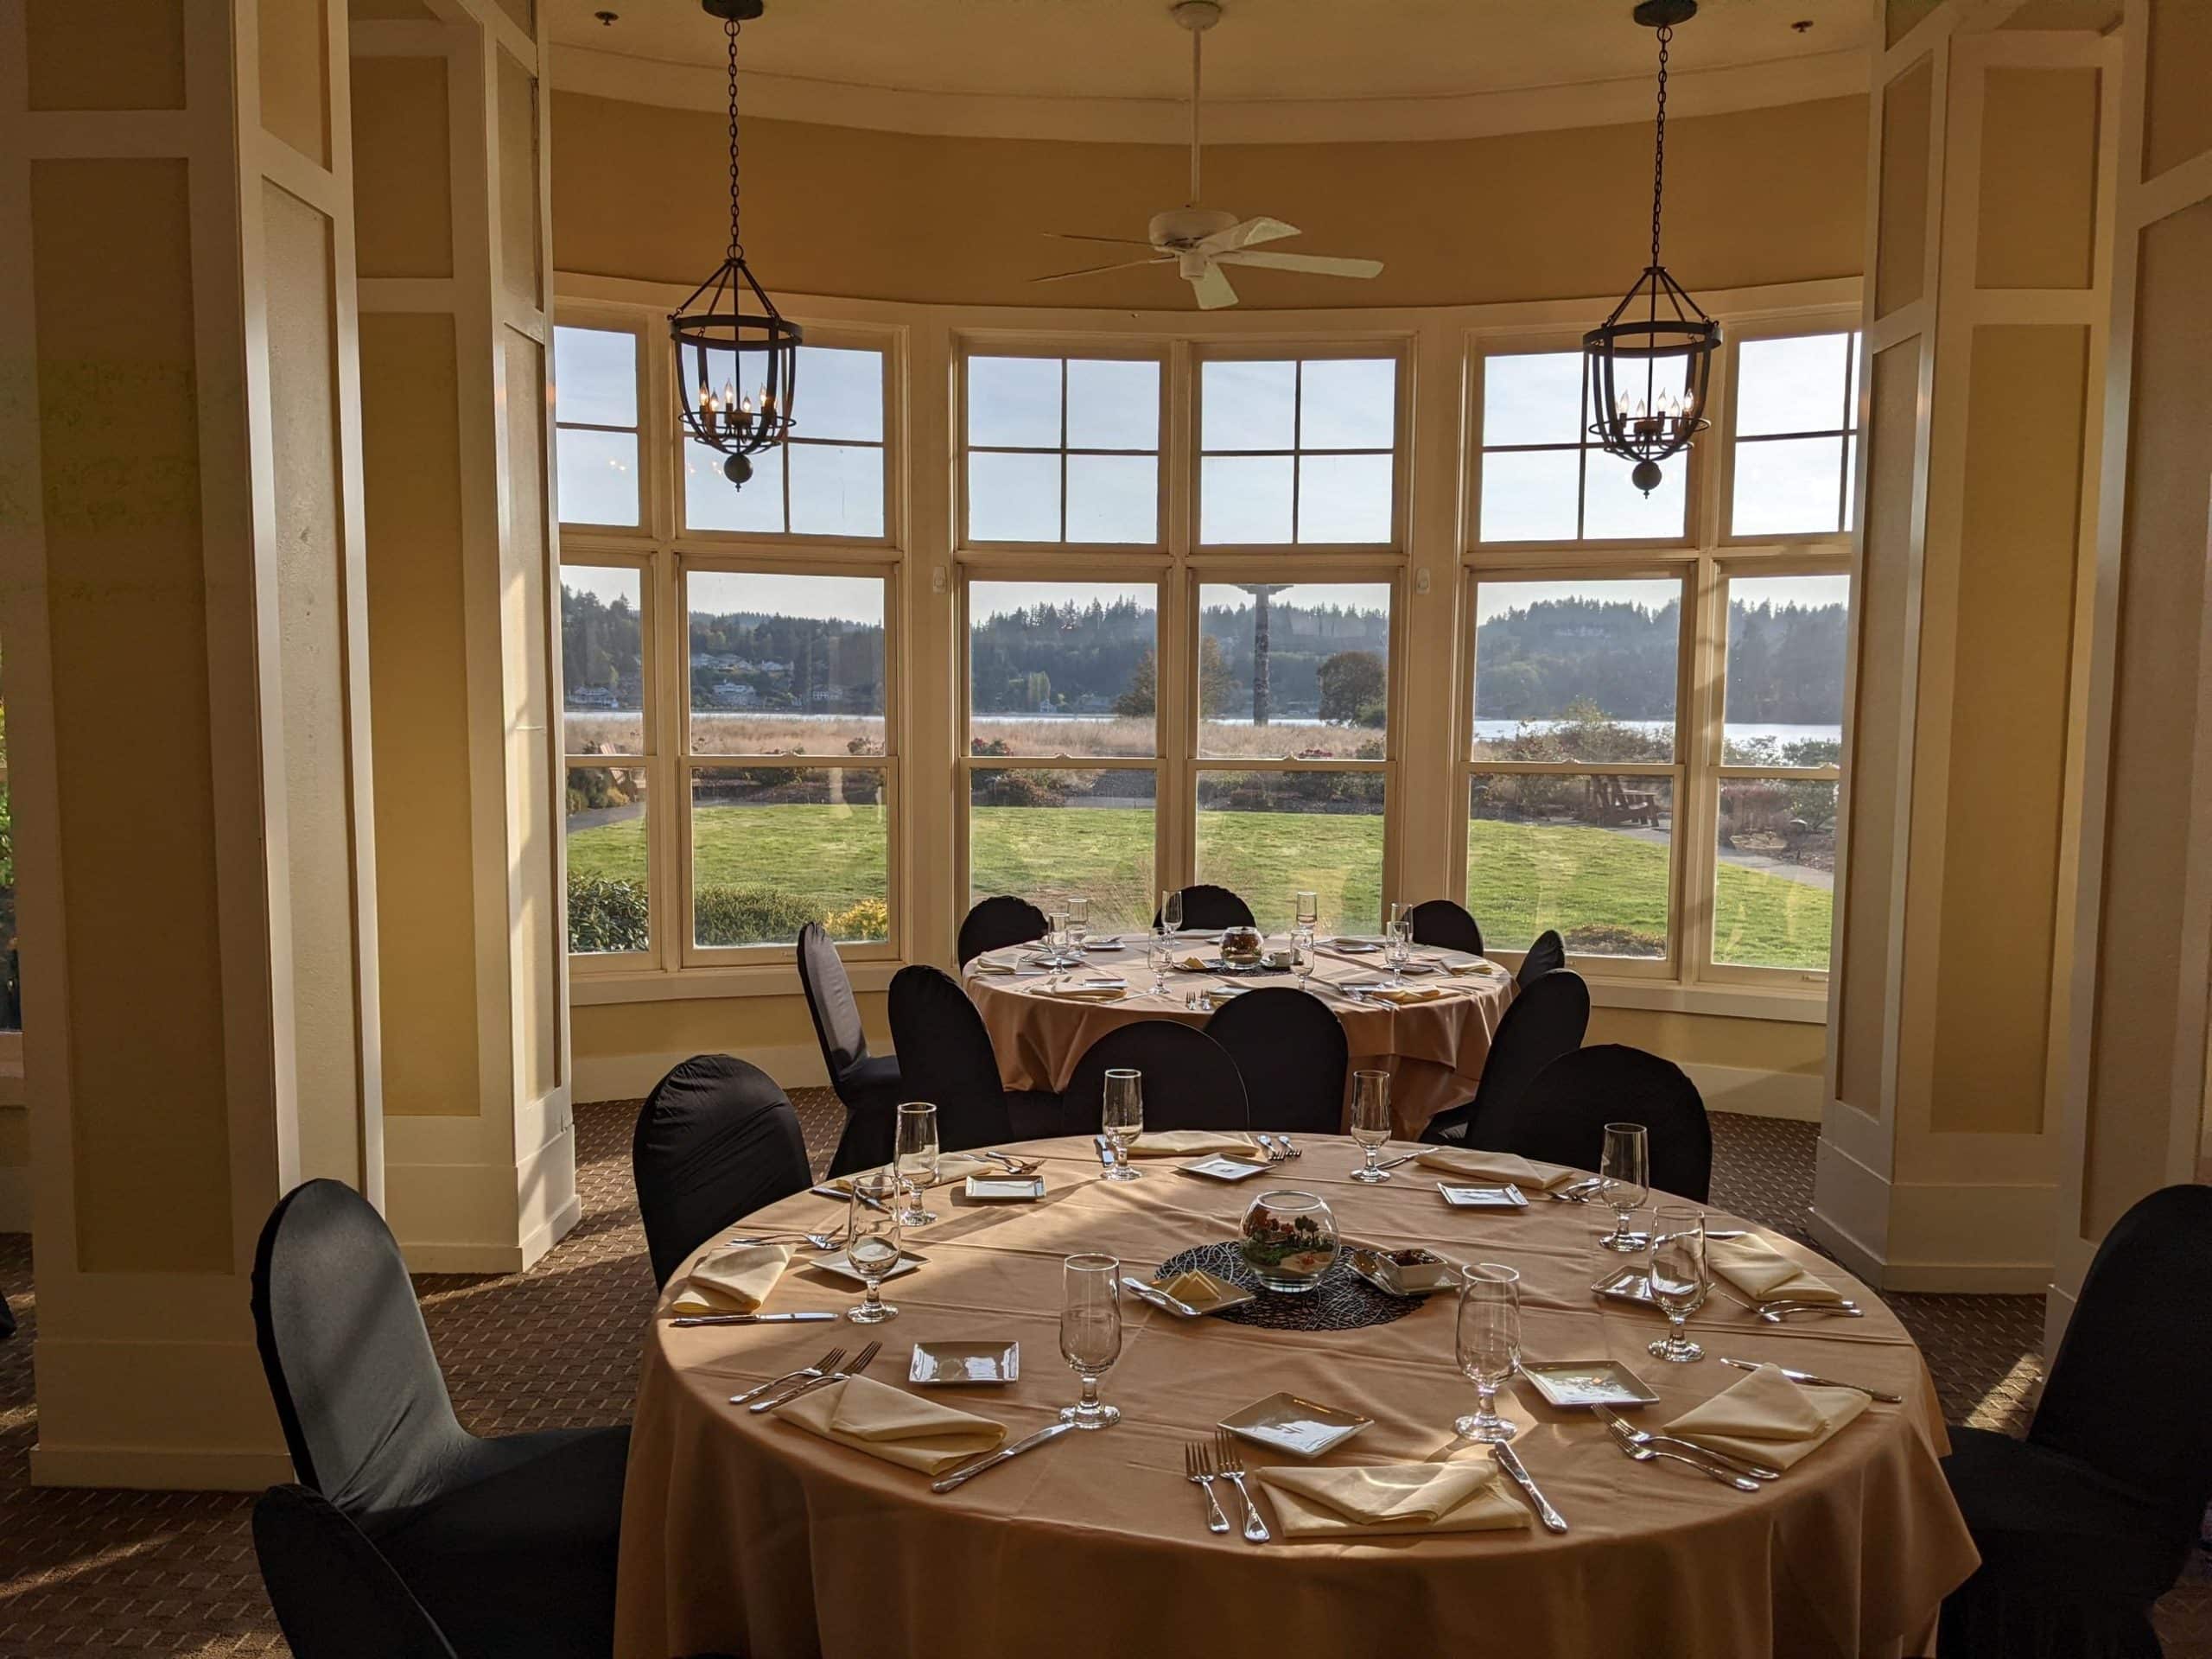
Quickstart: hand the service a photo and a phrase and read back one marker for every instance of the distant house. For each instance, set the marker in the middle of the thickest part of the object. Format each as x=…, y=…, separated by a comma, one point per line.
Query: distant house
x=732, y=693
x=591, y=696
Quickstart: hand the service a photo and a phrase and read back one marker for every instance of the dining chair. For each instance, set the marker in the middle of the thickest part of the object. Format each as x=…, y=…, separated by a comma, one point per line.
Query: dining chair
x=1207, y=907
x=1546, y=955
x=1545, y=1020
x=995, y=923
x=509, y=1543
x=945, y=1055
x=334, y=1595
x=715, y=1140
x=869, y=1084
x=1561, y=1116
x=1190, y=1081
x=1290, y=1050
x=1446, y=925
x=2086, y=1522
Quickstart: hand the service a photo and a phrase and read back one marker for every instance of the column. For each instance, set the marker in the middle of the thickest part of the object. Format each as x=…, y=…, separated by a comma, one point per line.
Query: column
x=182, y=604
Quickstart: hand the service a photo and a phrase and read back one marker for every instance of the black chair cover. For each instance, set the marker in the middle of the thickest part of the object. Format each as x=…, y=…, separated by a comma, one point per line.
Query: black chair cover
x=1291, y=1051
x=2089, y=1520
x=1208, y=906
x=945, y=1056
x=1446, y=925
x=7, y=1319
x=996, y=923
x=335, y=1596
x=1546, y=955
x=869, y=1085
x=1545, y=1020
x=1561, y=1116
x=717, y=1139
x=1190, y=1081
x=509, y=1543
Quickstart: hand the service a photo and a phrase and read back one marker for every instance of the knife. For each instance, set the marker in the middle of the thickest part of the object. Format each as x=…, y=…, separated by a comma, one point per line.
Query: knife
x=754, y=1318
x=1105, y=1151
x=1158, y=1298
x=1510, y=1460
x=1821, y=1382
x=999, y=1457
x=838, y=1192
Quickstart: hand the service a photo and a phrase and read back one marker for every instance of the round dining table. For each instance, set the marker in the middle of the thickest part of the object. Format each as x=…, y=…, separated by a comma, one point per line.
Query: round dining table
x=1432, y=1045
x=747, y=1533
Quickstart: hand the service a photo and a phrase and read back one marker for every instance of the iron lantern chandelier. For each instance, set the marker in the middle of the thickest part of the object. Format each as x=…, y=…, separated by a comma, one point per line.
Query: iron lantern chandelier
x=736, y=355
x=1651, y=358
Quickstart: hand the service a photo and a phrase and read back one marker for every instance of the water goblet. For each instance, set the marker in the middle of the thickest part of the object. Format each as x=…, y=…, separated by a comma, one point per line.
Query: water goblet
x=872, y=1241
x=1399, y=947
x=1091, y=1333
x=1487, y=1345
x=1302, y=954
x=1056, y=945
x=916, y=1159
x=1078, y=923
x=1171, y=909
x=1623, y=1170
x=1371, y=1120
x=1121, y=1117
x=1679, y=1279
x=1309, y=911
x=1159, y=957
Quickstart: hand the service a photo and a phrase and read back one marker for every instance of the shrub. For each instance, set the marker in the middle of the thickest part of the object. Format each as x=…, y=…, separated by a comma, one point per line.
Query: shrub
x=750, y=915
x=606, y=915
x=870, y=918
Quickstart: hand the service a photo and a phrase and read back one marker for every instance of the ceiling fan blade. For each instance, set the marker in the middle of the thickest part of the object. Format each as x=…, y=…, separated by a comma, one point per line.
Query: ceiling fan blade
x=1245, y=234
x=1212, y=287
x=1079, y=236
x=1092, y=270
x=1316, y=263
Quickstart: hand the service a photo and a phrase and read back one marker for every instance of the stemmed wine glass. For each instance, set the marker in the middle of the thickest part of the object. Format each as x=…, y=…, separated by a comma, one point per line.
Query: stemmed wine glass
x=1171, y=909
x=1091, y=1333
x=1078, y=923
x=872, y=1235
x=1121, y=1117
x=1371, y=1120
x=1309, y=911
x=916, y=1159
x=1487, y=1345
x=1679, y=1279
x=1624, y=1173
x=1398, y=947
x=1056, y=945
x=1301, y=936
x=1159, y=957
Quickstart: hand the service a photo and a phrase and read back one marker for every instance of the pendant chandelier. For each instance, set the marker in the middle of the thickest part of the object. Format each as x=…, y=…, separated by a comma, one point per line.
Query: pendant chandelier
x=736, y=355
x=1650, y=360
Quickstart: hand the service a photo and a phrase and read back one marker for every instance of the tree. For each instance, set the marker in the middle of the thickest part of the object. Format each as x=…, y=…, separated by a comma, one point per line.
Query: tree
x=1352, y=687
x=1141, y=696
x=1216, y=683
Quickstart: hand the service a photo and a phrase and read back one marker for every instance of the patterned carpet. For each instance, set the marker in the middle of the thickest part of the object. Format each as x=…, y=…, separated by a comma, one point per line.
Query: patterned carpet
x=100, y=1572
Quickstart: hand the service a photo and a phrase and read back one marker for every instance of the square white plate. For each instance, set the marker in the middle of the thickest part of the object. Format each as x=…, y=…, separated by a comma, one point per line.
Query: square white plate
x=1483, y=1198
x=1221, y=1168
x=1305, y=1428
x=1571, y=1382
x=1353, y=947
x=963, y=1364
x=838, y=1267
x=1006, y=1189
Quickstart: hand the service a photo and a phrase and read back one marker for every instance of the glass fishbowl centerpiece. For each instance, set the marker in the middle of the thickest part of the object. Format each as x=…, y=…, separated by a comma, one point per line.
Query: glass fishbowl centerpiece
x=1289, y=1240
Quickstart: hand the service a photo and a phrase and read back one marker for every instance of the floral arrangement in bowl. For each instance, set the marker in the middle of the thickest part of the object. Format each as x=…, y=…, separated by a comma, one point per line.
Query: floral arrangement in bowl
x=1289, y=1240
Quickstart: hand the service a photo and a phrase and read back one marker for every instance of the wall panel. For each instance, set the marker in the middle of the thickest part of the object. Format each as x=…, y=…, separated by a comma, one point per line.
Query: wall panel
x=403, y=184
x=2038, y=182
x=537, y=853
x=1900, y=260
x=110, y=56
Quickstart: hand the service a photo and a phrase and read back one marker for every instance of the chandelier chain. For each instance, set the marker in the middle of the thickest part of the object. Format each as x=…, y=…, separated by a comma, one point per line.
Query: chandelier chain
x=736, y=243
x=1658, y=144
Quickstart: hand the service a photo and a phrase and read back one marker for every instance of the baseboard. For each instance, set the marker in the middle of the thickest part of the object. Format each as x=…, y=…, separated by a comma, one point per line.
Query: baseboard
x=631, y=1077
x=2057, y=1313
x=159, y=1468
x=1964, y=1239
x=1794, y=1096
x=15, y=1198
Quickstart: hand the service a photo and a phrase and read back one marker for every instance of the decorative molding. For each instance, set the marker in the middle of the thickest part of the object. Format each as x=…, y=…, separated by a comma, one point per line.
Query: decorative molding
x=631, y=1077
x=15, y=1198
x=160, y=1468
x=1792, y=1095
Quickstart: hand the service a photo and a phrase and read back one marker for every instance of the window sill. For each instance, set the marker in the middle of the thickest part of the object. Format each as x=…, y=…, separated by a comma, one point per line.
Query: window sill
x=1808, y=1007
x=590, y=989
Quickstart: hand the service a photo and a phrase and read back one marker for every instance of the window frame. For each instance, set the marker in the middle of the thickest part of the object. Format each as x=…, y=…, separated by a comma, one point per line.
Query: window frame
x=1851, y=433
x=640, y=351
x=606, y=962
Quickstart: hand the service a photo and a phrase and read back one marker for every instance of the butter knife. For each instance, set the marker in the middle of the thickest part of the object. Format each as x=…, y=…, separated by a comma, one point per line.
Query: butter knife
x=1105, y=1153
x=839, y=1193
x=1510, y=1460
x=754, y=1319
x=1820, y=1382
x=1157, y=1297
x=999, y=1457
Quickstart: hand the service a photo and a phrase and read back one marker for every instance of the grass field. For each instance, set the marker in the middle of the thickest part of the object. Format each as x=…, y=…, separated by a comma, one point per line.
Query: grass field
x=1521, y=877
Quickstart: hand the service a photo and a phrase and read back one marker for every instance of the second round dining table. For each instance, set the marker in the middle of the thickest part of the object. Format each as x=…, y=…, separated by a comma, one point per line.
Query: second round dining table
x=747, y=1534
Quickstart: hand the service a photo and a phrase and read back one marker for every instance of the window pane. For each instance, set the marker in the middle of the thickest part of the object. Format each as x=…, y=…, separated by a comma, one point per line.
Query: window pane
x=606, y=860
x=1287, y=671
x=595, y=376
x=1576, y=669
x=1343, y=499
x=774, y=848
x=786, y=662
x=1787, y=639
x=1774, y=884
x=1113, y=498
x=1247, y=405
x=1013, y=498
x=836, y=490
x=1528, y=495
x=1113, y=404
x=1787, y=485
x=710, y=502
x=602, y=660
x=1244, y=498
x=1348, y=404
x=1046, y=833
x=1533, y=397
x=840, y=394
x=599, y=476
x=1587, y=856
x=1792, y=385
x=1062, y=668
x=1614, y=509
x=1270, y=836
x=1014, y=400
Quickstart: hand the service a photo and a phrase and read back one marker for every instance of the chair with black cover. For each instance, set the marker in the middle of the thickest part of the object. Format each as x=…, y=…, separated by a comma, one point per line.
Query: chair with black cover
x=1561, y=1117
x=335, y=1594
x=715, y=1140
x=996, y=923
x=508, y=1543
x=869, y=1084
x=1446, y=925
x=1544, y=1020
x=1290, y=1050
x=2091, y=1518
x=1206, y=907
x=1546, y=955
x=1190, y=1081
x=7, y=1319
x=945, y=1055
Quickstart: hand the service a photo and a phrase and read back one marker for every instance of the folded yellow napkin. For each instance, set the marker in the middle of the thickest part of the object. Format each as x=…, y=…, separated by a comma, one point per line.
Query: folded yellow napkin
x=1459, y=969
x=1192, y=964
x=951, y=1168
x=1766, y=1418
x=1764, y=1274
x=1499, y=1168
x=1403, y=994
x=891, y=1424
x=1382, y=1499
x=985, y=965
x=733, y=1281
x=1084, y=993
x=1178, y=1143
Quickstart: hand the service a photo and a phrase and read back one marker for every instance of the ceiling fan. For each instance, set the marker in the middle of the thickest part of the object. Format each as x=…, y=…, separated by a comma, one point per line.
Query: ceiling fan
x=1198, y=241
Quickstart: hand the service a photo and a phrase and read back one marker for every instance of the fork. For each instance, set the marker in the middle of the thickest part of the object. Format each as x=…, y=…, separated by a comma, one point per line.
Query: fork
x=1646, y=1453
x=828, y=1362
x=819, y=1241
x=859, y=1364
x=1629, y=1431
x=1231, y=1465
x=1016, y=1166
x=1198, y=1468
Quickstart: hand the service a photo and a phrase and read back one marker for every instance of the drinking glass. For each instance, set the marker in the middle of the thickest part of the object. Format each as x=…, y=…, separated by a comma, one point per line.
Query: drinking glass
x=1488, y=1345
x=1679, y=1279
x=1309, y=911
x=1171, y=909
x=1121, y=1117
x=1078, y=923
x=1624, y=1168
x=1056, y=945
x=872, y=1246
x=1090, y=1332
x=1398, y=944
x=916, y=1155
x=1371, y=1120
x=1159, y=957
x=1302, y=954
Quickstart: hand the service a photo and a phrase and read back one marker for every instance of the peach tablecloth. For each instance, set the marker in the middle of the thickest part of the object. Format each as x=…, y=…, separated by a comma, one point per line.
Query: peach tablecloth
x=748, y=1535
x=1432, y=1051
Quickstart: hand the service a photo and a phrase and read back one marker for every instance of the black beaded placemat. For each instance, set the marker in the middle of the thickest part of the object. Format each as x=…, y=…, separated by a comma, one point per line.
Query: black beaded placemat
x=1343, y=1300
